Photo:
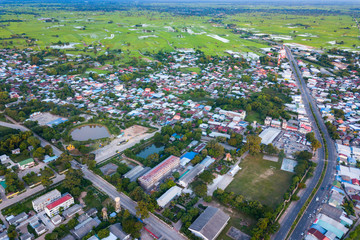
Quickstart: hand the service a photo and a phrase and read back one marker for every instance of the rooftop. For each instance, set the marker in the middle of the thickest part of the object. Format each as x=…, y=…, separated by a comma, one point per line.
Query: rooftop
x=61, y=200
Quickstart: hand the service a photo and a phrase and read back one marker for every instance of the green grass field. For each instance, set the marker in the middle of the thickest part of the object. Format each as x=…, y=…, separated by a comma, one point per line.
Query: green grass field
x=261, y=180
x=151, y=31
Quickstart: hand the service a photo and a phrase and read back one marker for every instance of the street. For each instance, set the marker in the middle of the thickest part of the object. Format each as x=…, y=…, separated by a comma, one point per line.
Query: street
x=290, y=217
x=155, y=223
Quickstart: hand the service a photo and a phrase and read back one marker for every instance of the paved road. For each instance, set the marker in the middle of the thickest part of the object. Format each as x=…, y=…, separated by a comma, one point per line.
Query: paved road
x=306, y=221
x=158, y=225
x=155, y=223
x=110, y=150
x=43, y=143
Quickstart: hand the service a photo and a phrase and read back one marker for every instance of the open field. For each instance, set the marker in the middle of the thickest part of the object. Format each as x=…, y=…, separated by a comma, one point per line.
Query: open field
x=137, y=32
x=261, y=180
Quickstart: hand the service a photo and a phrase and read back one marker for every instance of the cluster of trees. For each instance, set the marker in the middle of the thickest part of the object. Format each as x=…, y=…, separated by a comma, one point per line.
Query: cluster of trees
x=265, y=104
x=264, y=215
x=315, y=144
x=23, y=140
x=332, y=130
x=61, y=163
x=215, y=149
x=4, y=99
x=235, y=140
x=200, y=185
x=13, y=183
x=253, y=144
x=74, y=181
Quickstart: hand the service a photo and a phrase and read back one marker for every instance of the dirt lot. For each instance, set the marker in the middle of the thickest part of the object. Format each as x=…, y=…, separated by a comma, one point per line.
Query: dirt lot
x=132, y=135
x=134, y=131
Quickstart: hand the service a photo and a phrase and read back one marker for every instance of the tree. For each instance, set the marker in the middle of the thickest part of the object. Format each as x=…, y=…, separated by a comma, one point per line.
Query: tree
x=200, y=189
x=207, y=176
x=315, y=144
x=142, y=210
x=39, y=153
x=103, y=233
x=33, y=141
x=46, y=181
x=176, y=175
x=253, y=144
x=72, y=181
x=12, y=233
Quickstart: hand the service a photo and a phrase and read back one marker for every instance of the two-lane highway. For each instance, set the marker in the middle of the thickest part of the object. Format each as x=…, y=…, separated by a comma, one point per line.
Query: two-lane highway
x=306, y=219
x=166, y=231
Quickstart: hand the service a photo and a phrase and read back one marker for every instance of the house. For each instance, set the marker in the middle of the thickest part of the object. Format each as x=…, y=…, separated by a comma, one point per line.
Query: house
x=210, y=223
x=4, y=159
x=27, y=163
x=15, y=151
x=117, y=231
x=17, y=219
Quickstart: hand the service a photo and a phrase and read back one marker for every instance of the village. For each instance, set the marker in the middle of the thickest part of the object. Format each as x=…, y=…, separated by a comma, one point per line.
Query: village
x=181, y=128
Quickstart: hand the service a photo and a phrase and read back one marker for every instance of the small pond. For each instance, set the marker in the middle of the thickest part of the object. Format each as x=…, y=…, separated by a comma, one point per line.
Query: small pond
x=89, y=132
x=153, y=148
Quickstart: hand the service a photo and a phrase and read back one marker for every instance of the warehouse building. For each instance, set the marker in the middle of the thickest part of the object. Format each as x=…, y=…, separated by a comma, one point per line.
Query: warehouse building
x=269, y=135
x=159, y=171
x=136, y=172
x=169, y=195
x=210, y=223
x=40, y=203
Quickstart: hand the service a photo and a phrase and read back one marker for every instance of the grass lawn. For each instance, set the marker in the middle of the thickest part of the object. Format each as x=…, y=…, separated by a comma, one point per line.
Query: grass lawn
x=261, y=180
x=190, y=70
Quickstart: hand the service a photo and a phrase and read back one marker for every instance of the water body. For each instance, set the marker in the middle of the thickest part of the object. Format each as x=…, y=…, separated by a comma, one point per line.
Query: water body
x=150, y=150
x=90, y=132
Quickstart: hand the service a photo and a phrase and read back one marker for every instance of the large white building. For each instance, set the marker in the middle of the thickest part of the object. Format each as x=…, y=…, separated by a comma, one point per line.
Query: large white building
x=169, y=195
x=63, y=203
x=40, y=203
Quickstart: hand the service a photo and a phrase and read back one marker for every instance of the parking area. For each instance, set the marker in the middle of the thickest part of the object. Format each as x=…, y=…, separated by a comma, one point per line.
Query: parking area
x=291, y=142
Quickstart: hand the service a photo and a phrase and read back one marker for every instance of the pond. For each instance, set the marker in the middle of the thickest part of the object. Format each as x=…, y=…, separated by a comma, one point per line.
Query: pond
x=89, y=132
x=153, y=148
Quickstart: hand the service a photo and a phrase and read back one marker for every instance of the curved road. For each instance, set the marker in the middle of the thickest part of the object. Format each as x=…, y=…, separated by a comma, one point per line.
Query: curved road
x=307, y=219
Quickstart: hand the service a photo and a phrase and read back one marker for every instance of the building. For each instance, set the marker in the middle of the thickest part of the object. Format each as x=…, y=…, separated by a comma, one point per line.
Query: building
x=169, y=195
x=71, y=211
x=63, y=203
x=28, y=163
x=17, y=219
x=136, y=172
x=116, y=229
x=210, y=223
x=83, y=228
x=269, y=135
x=191, y=174
x=159, y=171
x=231, y=114
x=40, y=203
